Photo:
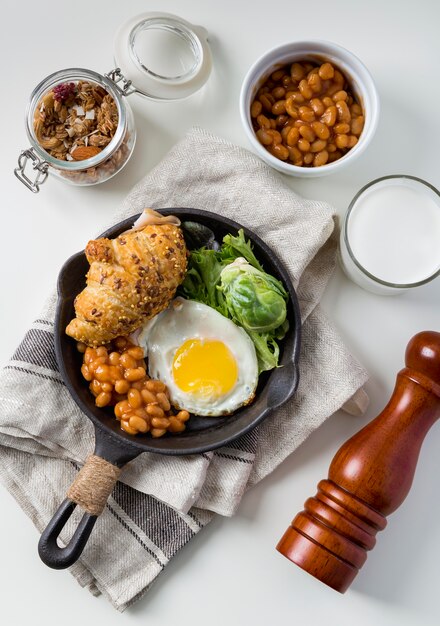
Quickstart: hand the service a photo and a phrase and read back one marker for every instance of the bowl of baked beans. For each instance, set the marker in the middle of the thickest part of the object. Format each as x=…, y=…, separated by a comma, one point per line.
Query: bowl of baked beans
x=309, y=108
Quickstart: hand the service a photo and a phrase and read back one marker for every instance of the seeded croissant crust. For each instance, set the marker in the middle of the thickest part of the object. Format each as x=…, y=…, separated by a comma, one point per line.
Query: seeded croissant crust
x=131, y=279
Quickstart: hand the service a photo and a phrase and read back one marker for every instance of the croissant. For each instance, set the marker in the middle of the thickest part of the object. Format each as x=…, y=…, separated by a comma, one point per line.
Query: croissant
x=131, y=278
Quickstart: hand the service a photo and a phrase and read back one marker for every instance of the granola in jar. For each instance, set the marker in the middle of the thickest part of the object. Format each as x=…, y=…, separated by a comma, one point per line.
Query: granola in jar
x=74, y=121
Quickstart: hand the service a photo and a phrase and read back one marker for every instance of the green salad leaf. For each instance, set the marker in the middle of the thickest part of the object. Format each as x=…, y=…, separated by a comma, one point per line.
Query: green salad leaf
x=232, y=281
x=256, y=300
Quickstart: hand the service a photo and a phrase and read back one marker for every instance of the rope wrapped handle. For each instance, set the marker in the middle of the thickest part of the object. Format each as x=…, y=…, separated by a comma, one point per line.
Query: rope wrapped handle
x=90, y=490
x=93, y=485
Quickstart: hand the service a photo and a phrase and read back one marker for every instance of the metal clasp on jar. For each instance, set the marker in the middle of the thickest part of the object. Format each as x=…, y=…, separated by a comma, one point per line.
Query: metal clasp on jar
x=39, y=166
x=117, y=77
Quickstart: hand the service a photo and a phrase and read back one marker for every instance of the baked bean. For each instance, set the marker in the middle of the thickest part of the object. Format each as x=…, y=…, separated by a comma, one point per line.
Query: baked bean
x=291, y=107
x=164, y=403
x=321, y=130
x=357, y=125
x=315, y=83
x=327, y=101
x=352, y=141
x=279, y=151
x=344, y=114
x=340, y=95
x=160, y=422
x=132, y=374
x=303, y=145
x=306, y=114
x=278, y=75
x=103, y=399
x=307, y=132
x=100, y=360
x=273, y=123
x=128, y=429
x=148, y=396
x=276, y=136
x=101, y=351
x=321, y=158
x=305, y=89
x=134, y=398
x=113, y=358
x=141, y=412
x=175, y=425
x=127, y=361
x=297, y=72
x=121, y=408
x=295, y=155
x=266, y=102
x=308, y=158
x=155, y=385
x=318, y=145
x=326, y=71
x=356, y=109
x=284, y=132
x=331, y=147
x=292, y=137
x=89, y=355
x=102, y=372
x=157, y=432
x=278, y=93
x=264, y=137
x=107, y=387
x=282, y=120
x=341, y=141
x=338, y=79
x=183, y=416
x=287, y=82
x=122, y=386
x=86, y=372
x=297, y=97
x=279, y=108
x=256, y=108
x=317, y=106
x=81, y=347
x=136, y=352
x=342, y=128
x=334, y=156
x=154, y=410
x=329, y=116
x=95, y=387
x=137, y=423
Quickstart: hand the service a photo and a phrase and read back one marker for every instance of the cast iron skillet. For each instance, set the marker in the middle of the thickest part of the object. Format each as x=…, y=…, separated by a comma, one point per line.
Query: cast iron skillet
x=202, y=433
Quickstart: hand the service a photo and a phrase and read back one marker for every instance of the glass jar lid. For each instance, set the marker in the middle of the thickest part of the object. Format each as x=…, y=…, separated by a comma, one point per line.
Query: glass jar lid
x=164, y=56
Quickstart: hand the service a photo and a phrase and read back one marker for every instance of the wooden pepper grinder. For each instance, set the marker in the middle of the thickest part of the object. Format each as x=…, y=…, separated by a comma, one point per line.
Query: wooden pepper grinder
x=370, y=475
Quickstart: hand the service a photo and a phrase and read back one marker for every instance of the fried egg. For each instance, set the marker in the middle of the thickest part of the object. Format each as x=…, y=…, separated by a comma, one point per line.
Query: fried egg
x=208, y=363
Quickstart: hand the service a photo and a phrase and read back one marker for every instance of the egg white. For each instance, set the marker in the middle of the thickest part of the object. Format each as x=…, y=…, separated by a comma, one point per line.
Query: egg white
x=162, y=336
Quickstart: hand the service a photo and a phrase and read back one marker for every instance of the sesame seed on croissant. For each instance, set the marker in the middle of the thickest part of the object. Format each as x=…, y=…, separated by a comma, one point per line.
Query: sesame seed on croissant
x=131, y=279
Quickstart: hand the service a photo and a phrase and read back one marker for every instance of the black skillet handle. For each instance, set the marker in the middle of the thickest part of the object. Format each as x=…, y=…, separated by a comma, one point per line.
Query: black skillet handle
x=50, y=552
x=90, y=490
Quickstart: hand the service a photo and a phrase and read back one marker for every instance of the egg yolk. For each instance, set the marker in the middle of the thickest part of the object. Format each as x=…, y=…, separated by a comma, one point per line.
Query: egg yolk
x=204, y=368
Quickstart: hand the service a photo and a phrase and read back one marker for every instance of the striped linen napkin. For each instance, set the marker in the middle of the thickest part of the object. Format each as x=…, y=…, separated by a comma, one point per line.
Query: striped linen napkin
x=160, y=503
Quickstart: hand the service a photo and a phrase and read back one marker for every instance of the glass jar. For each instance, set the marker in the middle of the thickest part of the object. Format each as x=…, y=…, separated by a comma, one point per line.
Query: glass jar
x=159, y=56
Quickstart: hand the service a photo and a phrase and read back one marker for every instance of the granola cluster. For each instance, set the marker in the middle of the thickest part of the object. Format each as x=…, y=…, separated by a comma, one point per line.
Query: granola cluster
x=75, y=121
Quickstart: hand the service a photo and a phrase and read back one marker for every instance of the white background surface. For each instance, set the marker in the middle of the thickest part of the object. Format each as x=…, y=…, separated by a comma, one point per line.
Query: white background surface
x=230, y=573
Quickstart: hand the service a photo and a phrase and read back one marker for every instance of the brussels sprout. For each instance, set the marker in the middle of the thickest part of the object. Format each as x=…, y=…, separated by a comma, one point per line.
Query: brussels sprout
x=256, y=300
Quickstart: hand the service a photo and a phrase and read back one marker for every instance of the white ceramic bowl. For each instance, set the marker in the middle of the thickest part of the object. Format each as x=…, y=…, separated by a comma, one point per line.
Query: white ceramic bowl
x=357, y=75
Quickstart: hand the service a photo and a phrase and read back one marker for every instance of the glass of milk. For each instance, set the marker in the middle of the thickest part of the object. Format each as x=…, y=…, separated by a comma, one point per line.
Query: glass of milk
x=390, y=237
